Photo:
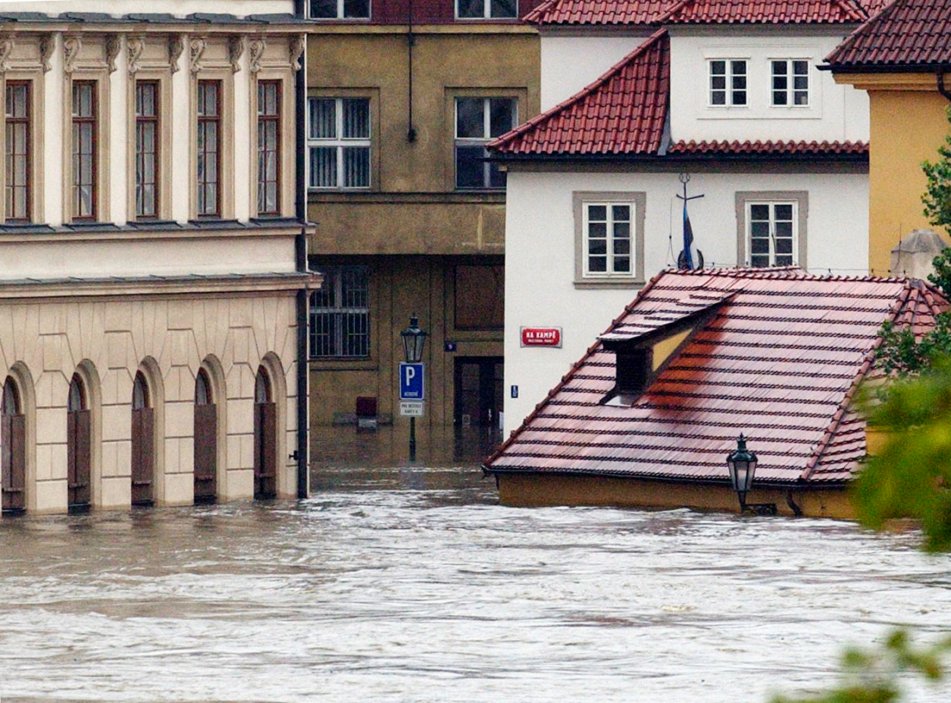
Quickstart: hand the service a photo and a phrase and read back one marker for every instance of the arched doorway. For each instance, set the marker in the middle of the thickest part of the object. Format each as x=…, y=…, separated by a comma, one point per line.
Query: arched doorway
x=265, y=437
x=78, y=445
x=143, y=442
x=206, y=440
x=13, y=448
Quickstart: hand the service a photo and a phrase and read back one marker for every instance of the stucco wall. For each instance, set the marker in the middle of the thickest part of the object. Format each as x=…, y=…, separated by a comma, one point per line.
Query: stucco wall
x=569, y=63
x=47, y=341
x=908, y=127
x=540, y=252
x=174, y=7
x=835, y=112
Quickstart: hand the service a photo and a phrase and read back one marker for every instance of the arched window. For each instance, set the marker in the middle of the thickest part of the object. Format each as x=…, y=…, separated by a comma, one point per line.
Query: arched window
x=78, y=445
x=206, y=440
x=265, y=437
x=143, y=442
x=13, y=446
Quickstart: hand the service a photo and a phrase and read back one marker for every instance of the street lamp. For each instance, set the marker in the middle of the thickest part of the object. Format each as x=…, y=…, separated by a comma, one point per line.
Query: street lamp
x=413, y=341
x=742, y=466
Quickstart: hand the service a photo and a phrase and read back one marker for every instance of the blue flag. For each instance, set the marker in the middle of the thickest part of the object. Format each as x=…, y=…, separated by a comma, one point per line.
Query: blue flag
x=690, y=258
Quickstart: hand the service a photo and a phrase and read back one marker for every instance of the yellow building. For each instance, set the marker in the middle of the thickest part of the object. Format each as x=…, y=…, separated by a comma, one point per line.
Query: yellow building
x=902, y=57
x=410, y=217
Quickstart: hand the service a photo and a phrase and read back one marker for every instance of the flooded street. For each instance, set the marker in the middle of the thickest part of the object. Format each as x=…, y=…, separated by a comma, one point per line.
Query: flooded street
x=412, y=584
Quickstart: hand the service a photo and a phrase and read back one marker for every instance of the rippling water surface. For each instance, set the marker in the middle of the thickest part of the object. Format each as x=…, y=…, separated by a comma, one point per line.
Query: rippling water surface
x=414, y=585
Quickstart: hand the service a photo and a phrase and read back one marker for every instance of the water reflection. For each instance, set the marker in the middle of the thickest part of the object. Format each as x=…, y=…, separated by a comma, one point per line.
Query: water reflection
x=412, y=584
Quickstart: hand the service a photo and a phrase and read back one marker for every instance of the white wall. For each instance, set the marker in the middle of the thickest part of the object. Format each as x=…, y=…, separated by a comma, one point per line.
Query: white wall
x=540, y=253
x=836, y=112
x=569, y=63
x=175, y=7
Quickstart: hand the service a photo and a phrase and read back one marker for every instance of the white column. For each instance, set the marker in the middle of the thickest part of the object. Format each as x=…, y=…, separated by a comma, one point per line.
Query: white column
x=242, y=132
x=182, y=178
x=53, y=125
x=119, y=139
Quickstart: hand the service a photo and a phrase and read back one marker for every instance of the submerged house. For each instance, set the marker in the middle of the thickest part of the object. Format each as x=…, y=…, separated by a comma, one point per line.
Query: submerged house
x=650, y=412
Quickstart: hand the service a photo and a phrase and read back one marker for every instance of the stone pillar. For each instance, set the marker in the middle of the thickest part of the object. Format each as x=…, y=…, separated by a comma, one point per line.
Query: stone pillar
x=914, y=254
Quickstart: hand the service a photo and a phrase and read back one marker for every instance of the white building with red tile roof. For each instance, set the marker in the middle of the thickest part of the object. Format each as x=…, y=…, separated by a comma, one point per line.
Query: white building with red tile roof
x=649, y=413
x=725, y=91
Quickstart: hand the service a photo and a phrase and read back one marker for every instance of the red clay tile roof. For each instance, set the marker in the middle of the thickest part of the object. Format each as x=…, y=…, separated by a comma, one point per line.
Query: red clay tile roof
x=623, y=112
x=639, y=12
x=600, y=12
x=911, y=34
x=779, y=358
x=769, y=147
x=766, y=12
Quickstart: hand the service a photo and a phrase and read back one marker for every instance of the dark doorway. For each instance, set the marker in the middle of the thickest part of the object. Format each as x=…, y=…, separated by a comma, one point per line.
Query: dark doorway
x=143, y=442
x=78, y=445
x=265, y=438
x=13, y=446
x=206, y=441
x=478, y=391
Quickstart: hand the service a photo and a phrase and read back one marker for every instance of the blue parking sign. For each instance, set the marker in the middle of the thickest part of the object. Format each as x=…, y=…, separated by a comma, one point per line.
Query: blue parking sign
x=411, y=382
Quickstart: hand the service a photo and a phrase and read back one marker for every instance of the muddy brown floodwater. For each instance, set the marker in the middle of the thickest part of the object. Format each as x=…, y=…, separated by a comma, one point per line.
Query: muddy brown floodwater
x=413, y=584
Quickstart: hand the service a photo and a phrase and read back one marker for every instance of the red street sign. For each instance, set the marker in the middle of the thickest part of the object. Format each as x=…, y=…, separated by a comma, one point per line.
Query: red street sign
x=541, y=336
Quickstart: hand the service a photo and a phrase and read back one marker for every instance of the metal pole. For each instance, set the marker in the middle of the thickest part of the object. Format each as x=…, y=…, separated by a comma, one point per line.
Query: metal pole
x=412, y=439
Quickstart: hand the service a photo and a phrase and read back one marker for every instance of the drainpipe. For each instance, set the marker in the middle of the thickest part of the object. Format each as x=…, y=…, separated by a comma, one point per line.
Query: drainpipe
x=300, y=256
x=410, y=43
x=939, y=76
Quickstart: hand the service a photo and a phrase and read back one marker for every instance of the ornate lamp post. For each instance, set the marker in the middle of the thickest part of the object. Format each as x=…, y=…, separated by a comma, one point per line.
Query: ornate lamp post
x=413, y=341
x=742, y=465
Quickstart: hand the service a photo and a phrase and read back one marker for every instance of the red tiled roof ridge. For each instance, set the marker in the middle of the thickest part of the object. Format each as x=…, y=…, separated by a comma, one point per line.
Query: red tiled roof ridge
x=553, y=112
x=535, y=15
x=768, y=146
x=785, y=272
x=903, y=33
x=852, y=11
x=861, y=31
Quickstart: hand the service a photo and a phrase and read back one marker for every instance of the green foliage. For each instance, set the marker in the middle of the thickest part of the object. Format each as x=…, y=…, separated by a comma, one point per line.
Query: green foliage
x=870, y=676
x=911, y=476
x=937, y=196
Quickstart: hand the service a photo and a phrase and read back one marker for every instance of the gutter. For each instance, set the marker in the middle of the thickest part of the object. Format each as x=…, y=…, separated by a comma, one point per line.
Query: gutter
x=301, y=453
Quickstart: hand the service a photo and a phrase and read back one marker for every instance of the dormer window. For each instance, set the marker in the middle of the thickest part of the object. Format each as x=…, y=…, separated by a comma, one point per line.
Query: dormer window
x=634, y=368
x=728, y=82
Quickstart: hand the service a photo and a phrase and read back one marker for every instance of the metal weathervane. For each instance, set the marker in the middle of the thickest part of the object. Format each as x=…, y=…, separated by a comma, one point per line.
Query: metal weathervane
x=690, y=257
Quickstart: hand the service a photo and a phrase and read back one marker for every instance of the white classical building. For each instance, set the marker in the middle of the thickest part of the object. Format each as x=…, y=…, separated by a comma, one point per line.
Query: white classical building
x=152, y=264
x=638, y=96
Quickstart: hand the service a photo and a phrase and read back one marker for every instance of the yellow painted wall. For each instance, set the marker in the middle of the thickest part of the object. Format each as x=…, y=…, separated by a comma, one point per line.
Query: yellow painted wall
x=907, y=128
x=540, y=490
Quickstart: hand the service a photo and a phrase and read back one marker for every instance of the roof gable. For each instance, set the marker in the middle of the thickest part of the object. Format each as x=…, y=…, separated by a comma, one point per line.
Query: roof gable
x=622, y=112
x=908, y=34
x=780, y=361
x=646, y=12
x=765, y=12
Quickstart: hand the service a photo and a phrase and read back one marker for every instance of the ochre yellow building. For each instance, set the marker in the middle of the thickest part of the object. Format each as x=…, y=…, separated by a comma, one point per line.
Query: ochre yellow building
x=902, y=57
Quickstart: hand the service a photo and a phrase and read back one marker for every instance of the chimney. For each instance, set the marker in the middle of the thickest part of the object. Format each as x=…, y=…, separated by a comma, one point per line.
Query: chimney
x=914, y=254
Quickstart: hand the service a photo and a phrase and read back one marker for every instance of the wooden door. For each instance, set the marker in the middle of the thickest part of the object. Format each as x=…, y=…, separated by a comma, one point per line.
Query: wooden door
x=78, y=458
x=143, y=442
x=265, y=450
x=143, y=459
x=13, y=444
x=206, y=453
x=265, y=438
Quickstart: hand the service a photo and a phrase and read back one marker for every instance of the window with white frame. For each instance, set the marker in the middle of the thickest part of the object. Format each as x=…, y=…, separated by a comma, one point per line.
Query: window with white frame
x=486, y=9
x=340, y=314
x=478, y=121
x=339, y=142
x=340, y=9
x=772, y=233
x=790, y=85
x=728, y=82
x=608, y=239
